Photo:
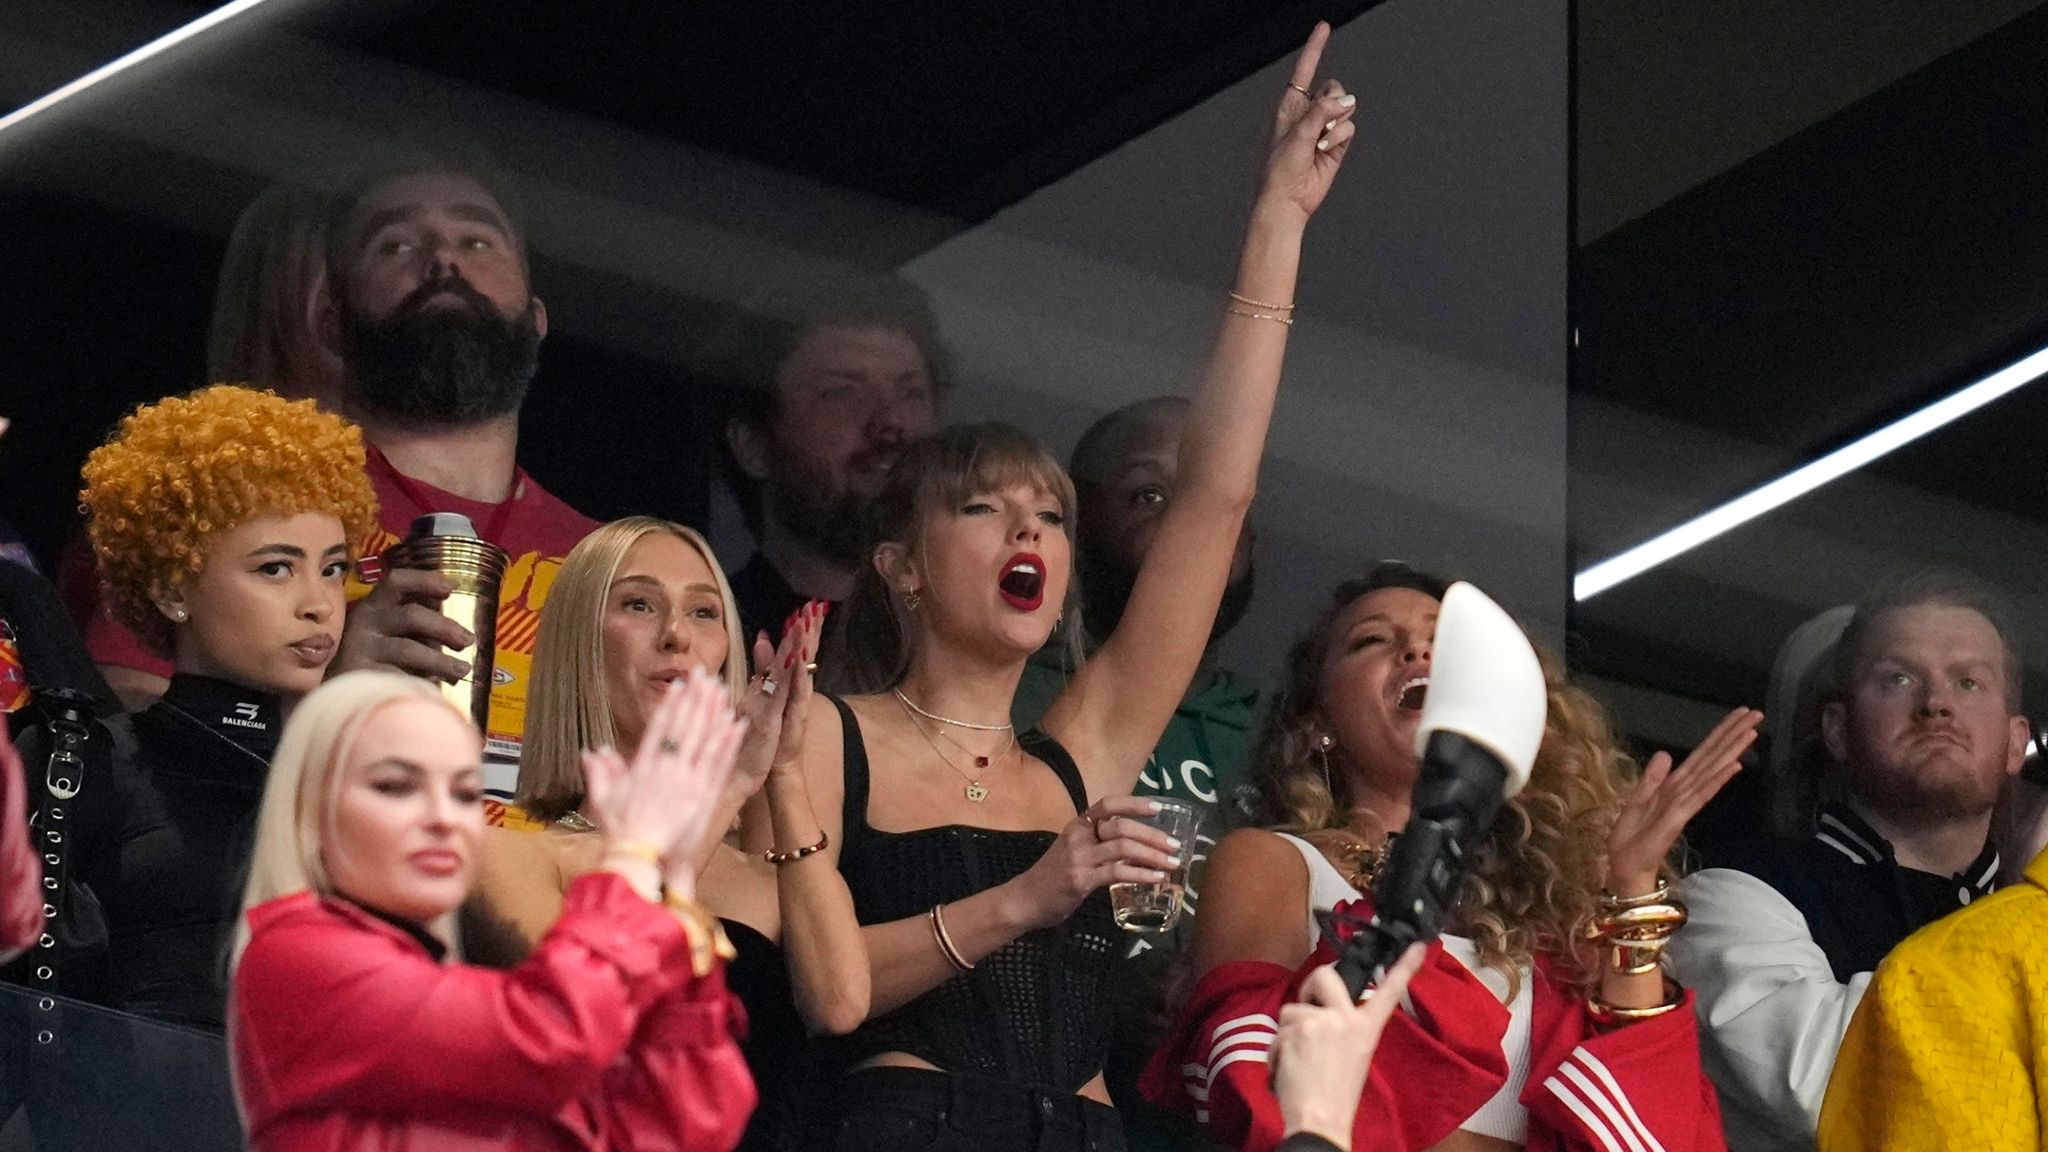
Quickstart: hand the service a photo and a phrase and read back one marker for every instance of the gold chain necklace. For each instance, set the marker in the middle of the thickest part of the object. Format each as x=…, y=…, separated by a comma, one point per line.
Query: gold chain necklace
x=1366, y=861
x=975, y=791
x=938, y=719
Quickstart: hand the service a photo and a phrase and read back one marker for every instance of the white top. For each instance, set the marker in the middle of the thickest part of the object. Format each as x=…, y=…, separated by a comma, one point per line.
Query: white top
x=1771, y=1012
x=1503, y=1116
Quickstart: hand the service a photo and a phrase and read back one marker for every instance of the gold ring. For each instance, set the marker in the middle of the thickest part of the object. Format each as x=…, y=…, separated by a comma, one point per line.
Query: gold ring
x=811, y=667
x=1300, y=89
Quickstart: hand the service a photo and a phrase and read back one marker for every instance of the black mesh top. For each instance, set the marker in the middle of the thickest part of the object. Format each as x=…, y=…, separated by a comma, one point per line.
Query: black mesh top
x=1034, y=1012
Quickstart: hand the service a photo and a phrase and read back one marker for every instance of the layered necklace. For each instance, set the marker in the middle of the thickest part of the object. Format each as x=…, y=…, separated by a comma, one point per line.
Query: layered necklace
x=975, y=791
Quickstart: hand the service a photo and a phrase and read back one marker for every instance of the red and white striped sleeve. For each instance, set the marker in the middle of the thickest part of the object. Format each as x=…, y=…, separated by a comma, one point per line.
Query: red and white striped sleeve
x=1635, y=1088
x=1437, y=1063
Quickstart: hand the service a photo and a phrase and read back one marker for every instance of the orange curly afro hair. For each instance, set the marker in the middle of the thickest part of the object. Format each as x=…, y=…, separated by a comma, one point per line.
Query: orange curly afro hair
x=184, y=469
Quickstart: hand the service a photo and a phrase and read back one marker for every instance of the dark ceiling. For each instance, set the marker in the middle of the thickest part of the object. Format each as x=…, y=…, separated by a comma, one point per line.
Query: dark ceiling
x=935, y=115
x=1853, y=273
x=956, y=109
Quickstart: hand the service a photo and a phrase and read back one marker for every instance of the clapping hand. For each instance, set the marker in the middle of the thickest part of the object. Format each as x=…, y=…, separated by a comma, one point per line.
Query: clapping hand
x=664, y=804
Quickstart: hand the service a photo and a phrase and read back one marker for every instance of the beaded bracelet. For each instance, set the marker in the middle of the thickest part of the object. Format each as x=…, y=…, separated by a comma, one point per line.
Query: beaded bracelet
x=1261, y=303
x=780, y=858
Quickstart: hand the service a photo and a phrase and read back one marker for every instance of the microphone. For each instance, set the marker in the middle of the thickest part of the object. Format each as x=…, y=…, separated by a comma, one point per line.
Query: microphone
x=1481, y=725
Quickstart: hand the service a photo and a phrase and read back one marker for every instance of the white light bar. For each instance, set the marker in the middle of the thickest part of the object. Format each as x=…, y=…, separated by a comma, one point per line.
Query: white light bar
x=168, y=40
x=1798, y=482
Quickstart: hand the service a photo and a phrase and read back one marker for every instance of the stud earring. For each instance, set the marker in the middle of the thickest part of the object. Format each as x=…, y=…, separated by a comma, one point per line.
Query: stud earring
x=178, y=615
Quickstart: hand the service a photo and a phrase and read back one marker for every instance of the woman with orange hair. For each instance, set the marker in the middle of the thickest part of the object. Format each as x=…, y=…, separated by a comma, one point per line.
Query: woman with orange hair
x=222, y=523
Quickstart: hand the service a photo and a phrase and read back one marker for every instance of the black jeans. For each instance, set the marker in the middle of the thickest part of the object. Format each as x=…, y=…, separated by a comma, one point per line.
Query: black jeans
x=918, y=1110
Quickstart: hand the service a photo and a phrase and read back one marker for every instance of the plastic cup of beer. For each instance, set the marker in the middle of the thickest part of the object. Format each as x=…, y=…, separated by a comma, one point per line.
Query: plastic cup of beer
x=1154, y=906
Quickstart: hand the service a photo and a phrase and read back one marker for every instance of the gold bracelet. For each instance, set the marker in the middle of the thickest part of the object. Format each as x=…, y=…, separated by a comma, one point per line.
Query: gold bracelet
x=780, y=858
x=1609, y=902
x=1642, y=922
x=708, y=941
x=1606, y=1014
x=945, y=941
x=637, y=849
x=1261, y=303
x=1636, y=958
x=1235, y=311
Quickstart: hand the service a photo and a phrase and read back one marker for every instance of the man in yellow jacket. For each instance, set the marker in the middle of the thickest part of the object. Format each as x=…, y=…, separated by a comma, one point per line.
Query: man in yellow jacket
x=1949, y=1048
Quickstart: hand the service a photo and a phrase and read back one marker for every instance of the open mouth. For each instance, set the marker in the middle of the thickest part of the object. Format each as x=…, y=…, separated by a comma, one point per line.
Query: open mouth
x=1022, y=583
x=1413, y=694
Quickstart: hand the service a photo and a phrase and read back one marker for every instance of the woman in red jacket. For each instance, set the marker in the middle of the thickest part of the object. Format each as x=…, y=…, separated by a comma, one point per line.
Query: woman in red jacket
x=352, y=1023
x=1542, y=1020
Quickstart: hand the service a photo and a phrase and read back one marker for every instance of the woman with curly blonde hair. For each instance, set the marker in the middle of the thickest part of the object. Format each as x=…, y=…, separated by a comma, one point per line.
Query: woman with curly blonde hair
x=222, y=522
x=1542, y=1018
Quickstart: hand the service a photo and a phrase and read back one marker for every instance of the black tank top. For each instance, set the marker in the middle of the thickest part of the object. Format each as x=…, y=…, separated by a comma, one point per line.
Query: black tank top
x=1035, y=1011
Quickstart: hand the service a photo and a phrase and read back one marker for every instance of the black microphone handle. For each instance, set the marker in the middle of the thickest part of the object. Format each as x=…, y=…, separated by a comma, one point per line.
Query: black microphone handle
x=1410, y=916
x=1457, y=795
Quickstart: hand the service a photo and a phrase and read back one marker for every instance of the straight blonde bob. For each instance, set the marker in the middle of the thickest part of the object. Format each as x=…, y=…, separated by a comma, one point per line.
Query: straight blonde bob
x=568, y=706
x=304, y=785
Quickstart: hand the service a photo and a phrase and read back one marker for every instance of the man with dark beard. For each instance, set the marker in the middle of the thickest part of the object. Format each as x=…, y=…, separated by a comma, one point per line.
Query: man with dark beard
x=431, y=306
x=1124, y=470
x=1923, y=727
x=830, y=390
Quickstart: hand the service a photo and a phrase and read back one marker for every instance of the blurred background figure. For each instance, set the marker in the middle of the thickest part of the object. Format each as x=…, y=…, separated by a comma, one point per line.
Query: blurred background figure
x=826, y=393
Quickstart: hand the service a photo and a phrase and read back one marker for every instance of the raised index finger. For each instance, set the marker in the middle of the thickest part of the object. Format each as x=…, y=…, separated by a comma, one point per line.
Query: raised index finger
x=1311, y=56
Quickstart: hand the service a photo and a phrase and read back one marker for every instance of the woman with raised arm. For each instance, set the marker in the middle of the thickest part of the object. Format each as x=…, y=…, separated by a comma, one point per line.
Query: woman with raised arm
x=976, y=859
x=639, y=603
x=354, y=1023
x=1542, y=1019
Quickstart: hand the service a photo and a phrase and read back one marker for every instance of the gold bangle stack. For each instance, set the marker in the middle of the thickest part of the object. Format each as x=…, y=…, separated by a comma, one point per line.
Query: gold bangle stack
x=1283, y=313
x=708, y=941
x=944, y=940
x=1636, y=929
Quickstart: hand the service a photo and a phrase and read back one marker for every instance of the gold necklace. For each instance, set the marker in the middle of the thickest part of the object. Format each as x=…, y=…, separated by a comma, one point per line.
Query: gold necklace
x=975, y=791
x=1366, y=861
x=938, y=719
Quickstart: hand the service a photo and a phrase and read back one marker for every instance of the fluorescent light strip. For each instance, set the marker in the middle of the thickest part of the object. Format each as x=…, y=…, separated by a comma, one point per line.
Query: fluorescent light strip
x=1798, y=482
x=168, y=40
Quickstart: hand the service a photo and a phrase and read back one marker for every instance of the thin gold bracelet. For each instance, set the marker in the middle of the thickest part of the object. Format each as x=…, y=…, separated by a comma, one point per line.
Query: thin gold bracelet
x=1609, y=902
x=1235, y=311
x=1261, y=303
x=945, y=941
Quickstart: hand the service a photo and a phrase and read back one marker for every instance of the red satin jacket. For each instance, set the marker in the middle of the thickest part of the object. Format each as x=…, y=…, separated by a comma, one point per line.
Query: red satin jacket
x=21, y=871
x=347, y=1034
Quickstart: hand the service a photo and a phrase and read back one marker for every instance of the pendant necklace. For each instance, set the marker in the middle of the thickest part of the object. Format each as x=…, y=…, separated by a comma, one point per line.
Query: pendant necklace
x=975, y=791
